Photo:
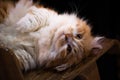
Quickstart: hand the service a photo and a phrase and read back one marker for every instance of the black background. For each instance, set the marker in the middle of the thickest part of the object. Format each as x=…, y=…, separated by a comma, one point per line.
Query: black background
x=101, y=14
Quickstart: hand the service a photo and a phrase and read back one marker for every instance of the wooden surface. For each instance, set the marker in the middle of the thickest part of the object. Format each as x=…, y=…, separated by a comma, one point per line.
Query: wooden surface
x=9, y=70
x=90, y=72
x=86, y=68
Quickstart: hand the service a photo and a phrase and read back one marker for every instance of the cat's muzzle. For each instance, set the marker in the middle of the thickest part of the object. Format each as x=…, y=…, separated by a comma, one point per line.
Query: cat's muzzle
x=72, y=45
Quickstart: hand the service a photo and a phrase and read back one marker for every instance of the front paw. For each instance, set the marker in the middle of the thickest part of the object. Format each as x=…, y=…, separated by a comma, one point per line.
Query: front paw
x=61, y=67
x=27, y=24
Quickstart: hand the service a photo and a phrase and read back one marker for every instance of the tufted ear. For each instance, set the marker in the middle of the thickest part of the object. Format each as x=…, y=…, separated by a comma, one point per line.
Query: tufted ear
x=96, y=44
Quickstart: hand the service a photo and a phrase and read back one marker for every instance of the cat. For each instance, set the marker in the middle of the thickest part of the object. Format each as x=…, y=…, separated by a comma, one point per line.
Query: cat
x=40, y=37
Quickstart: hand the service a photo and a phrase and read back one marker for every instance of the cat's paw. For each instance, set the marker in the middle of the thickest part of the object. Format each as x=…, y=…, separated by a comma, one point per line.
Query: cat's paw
x=61, y=67
x=33, y=20
x=27, y=24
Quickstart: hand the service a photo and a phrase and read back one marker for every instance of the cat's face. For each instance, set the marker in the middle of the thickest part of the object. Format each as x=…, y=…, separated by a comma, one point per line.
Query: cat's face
x=66, y=41
x=71, y=43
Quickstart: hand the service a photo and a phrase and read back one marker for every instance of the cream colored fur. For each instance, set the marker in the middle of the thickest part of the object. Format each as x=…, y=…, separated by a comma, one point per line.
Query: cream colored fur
x=42, y=37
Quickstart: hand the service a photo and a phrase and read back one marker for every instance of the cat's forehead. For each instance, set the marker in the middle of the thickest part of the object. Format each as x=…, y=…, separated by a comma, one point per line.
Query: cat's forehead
x=71, y=23
x=81, y=27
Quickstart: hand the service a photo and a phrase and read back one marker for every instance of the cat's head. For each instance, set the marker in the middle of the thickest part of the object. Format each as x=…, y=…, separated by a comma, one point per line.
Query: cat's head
x=71, y=43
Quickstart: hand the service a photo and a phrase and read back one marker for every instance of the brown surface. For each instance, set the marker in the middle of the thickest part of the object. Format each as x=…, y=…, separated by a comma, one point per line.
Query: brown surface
x=90, y=73
x=9, y=70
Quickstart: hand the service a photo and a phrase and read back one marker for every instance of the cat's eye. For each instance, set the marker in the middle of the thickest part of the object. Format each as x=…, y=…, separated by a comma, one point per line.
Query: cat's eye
x=78, y=36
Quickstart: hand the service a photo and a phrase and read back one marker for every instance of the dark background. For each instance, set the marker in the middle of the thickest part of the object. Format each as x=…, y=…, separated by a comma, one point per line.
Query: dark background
x=104, y=18
x=101, y=14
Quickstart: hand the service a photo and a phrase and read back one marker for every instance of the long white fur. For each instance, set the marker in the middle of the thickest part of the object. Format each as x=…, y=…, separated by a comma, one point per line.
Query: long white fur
x=30, y=35
x=11, y=38
x=23, y=45
x=34, y=19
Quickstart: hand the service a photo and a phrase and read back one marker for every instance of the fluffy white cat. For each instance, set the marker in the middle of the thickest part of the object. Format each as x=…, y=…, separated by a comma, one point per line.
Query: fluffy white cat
x=42, y=37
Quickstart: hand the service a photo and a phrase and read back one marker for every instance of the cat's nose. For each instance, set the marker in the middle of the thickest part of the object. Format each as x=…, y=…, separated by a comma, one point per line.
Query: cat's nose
x=68, y=38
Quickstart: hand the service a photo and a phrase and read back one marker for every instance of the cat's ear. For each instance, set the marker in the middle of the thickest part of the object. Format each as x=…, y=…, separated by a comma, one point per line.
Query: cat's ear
x=97, y=45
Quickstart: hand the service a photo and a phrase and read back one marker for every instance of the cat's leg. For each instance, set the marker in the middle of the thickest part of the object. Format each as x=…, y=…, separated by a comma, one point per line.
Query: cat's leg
x=26, y=60
x=17, y=11
x=34, y=19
